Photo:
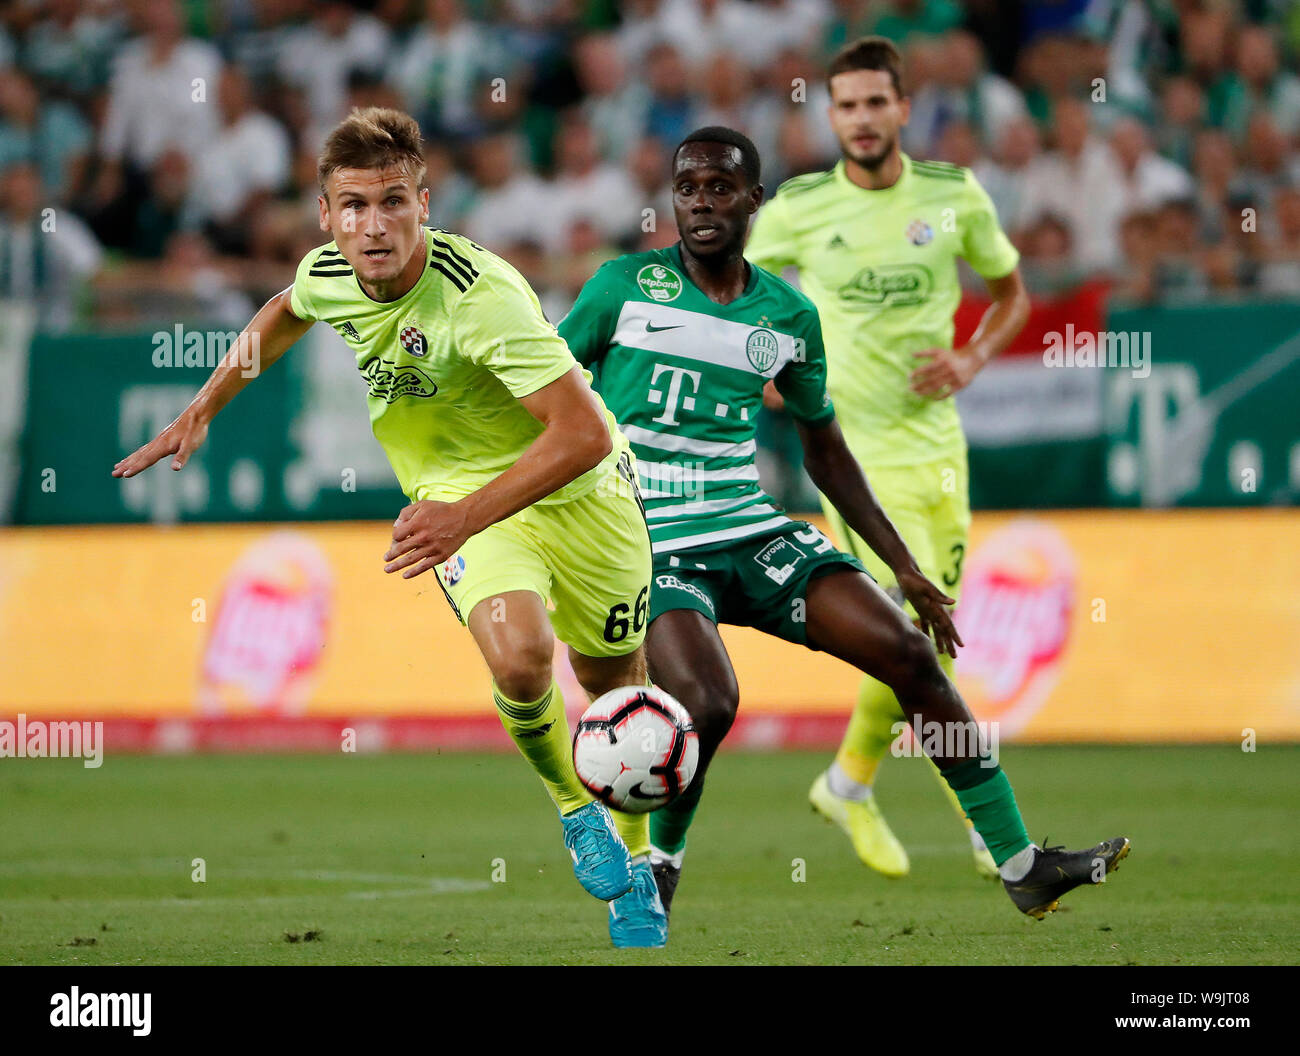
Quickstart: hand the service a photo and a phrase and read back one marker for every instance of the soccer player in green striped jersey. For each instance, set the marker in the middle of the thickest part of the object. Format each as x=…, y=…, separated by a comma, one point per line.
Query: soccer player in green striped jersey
x=876, y=241
x=681, y=342
x=519, y=481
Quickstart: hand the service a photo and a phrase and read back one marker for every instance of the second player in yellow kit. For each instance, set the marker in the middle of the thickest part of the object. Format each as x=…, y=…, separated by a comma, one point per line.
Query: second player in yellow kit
x=876, y=241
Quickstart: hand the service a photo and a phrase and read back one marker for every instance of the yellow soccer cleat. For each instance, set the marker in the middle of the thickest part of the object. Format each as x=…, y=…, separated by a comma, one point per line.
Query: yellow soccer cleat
x=866, y=828
x=984, y=863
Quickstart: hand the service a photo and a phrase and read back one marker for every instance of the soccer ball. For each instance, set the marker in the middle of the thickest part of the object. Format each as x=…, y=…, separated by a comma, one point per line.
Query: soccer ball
x=635, y=749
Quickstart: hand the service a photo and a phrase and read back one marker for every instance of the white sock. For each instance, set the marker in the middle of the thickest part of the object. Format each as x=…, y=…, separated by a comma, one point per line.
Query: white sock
x=639, y=859
x=1018, y=865
x=977, y=841
x=658, y=857
x=845, y=787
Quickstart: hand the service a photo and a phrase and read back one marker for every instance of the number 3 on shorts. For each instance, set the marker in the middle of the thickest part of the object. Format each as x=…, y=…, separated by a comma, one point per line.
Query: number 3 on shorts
x=951, y=579
x=617, y=625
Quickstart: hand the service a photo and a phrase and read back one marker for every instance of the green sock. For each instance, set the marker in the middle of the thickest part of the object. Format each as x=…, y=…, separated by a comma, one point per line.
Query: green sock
x=985, y=795
x=541, y=733
x=668, y=824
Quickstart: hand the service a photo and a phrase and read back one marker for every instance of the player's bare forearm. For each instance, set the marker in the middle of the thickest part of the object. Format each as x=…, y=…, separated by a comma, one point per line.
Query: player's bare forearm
x=943, y=372
x=1003, y=319
x=838, y=476
x=267, y=337
x=554, y=459
x=574, y=439
x=270, y=333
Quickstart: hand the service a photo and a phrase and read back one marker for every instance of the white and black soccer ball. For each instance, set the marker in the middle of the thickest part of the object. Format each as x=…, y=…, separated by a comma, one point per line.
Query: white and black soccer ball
x=635, y=749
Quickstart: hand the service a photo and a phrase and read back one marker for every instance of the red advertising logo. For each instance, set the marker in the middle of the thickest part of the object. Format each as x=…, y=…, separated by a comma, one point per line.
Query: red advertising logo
x=1014, y=616
x=270, y=628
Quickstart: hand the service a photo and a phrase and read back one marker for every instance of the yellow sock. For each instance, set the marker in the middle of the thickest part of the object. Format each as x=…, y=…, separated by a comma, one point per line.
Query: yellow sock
x=635, y=830
x=870, y=731
x=541, y=733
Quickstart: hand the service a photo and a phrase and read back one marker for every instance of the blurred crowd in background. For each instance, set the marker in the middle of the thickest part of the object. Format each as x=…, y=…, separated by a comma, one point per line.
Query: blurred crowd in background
x=158, y=158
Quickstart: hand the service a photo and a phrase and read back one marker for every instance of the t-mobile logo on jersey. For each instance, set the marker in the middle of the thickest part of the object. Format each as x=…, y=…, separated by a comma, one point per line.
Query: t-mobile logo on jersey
x=670, y=400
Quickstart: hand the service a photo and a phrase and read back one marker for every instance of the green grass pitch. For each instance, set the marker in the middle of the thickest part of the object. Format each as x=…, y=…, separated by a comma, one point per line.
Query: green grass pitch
x=390, y=859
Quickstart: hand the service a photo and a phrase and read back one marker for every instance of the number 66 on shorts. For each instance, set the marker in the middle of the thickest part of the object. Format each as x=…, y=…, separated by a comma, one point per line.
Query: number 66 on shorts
x=588, y=557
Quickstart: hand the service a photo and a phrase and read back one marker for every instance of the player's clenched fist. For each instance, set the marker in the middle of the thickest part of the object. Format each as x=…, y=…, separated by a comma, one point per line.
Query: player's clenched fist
x=182, y=438
x=425, y=534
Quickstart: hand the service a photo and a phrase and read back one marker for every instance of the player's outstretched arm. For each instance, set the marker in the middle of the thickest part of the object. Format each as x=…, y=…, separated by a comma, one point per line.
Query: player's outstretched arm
x=270, y=334
x=838, y=476
x=574, y=438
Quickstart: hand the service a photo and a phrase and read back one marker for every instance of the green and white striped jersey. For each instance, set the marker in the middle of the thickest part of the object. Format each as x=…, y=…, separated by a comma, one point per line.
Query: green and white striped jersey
x=684, y=378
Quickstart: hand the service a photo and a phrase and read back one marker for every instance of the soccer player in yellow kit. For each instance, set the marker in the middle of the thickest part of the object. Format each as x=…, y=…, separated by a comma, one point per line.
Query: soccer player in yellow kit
x=521, y=485
x=876, y=241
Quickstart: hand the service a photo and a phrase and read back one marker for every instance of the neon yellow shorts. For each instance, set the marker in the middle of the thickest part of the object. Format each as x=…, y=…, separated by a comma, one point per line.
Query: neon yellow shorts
x=929, y=504
x=588, y=559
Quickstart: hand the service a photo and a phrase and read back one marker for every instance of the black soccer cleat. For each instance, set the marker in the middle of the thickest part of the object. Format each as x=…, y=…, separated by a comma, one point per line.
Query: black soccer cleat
x=1056, y=871
x=666, y=877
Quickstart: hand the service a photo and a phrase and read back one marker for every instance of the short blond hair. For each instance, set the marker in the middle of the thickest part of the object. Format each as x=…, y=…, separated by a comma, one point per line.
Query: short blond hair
x=373, y=138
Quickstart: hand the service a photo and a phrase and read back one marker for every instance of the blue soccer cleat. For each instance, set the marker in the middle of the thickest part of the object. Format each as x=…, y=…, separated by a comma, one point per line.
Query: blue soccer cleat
x=638, y=918
x=600, y=859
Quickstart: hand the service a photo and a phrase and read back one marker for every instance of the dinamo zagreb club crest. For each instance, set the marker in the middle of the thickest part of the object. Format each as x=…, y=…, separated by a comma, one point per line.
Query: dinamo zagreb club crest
x=919, y=233
x=413, y=341
x=659, y=283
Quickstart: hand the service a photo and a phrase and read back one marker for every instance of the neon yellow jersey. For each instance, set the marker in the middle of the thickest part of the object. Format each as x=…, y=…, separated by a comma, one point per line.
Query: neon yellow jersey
x=881, y=267
x=446, y=363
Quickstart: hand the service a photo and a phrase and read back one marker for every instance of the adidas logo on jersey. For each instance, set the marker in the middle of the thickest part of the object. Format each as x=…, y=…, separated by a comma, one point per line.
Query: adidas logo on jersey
x=349, y=331
x=837, y=243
